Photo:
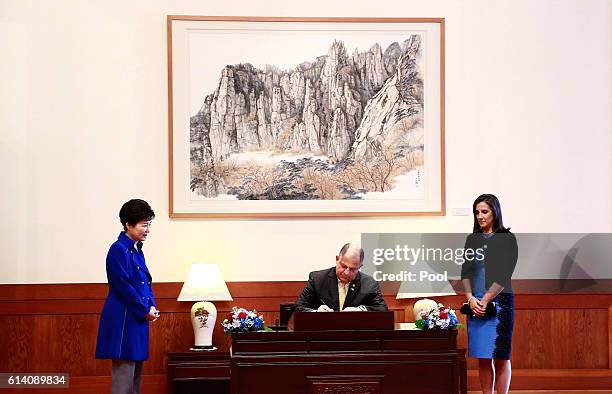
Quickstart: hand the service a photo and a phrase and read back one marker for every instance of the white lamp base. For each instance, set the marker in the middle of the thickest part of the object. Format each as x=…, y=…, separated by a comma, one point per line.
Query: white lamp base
x=203, y=318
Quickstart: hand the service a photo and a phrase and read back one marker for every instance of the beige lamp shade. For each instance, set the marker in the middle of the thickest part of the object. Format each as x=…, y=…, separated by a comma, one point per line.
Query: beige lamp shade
x=204, y=283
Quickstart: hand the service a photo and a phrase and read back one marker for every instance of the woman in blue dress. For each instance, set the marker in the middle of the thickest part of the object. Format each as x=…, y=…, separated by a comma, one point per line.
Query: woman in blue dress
x=487, y=281
x=123, y=334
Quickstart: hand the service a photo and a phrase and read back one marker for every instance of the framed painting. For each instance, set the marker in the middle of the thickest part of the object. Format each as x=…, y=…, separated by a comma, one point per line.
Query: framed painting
x=305, y=117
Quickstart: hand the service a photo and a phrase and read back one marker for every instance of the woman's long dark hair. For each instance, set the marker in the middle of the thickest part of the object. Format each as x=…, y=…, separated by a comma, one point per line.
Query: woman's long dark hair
x=493, y=203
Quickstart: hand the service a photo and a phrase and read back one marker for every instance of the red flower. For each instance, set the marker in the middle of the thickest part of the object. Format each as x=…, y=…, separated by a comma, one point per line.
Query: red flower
x=242, y=315
x=443, y=315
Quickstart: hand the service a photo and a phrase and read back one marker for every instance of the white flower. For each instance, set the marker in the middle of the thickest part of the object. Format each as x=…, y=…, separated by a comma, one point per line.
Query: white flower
x=248, y=323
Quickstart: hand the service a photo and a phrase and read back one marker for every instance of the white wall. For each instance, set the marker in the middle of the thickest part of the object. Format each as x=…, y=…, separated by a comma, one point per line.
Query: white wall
x=83, y=123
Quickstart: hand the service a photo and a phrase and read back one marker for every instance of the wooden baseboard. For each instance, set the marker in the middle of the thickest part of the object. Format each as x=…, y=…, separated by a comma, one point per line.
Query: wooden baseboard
x=553, y=379
x=550, y=392
x=578, y=380
x=151, y=384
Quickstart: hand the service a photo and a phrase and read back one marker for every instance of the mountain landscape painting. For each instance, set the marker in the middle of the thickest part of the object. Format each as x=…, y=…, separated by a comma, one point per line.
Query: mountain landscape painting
x=343, y=122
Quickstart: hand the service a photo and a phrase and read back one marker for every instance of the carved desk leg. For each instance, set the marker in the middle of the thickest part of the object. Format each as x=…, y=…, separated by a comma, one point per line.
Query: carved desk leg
x=462, y=372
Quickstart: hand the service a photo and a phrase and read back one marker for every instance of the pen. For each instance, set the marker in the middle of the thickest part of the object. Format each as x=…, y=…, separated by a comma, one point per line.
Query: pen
x=323, y=303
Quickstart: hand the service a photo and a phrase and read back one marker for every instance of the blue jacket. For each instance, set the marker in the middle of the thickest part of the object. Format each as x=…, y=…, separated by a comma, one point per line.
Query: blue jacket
x=123, y=333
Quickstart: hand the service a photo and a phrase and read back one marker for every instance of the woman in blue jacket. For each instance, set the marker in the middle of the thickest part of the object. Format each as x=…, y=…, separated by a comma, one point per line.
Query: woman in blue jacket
x=123, y=334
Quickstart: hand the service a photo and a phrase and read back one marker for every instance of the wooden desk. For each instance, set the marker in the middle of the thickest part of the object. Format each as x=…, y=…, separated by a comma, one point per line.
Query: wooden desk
x=340, y=362
x=331, y=362
x=199, y=372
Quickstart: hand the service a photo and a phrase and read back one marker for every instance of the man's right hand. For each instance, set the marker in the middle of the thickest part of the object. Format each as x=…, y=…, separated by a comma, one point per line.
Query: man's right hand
x=324, y=308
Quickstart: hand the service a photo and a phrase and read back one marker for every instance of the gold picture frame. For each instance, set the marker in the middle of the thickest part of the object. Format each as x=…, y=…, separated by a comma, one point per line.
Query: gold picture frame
x=305, y=117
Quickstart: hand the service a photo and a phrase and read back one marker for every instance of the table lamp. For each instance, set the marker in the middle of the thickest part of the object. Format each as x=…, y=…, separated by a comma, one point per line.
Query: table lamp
x=204, y=284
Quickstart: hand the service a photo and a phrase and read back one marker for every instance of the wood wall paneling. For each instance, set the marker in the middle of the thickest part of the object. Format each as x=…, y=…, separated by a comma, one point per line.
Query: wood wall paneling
x=560, y=341
x=561, y=338
x=610, y=337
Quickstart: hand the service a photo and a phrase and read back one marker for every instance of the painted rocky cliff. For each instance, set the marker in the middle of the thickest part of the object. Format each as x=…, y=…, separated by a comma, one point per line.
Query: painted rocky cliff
x=351, y=122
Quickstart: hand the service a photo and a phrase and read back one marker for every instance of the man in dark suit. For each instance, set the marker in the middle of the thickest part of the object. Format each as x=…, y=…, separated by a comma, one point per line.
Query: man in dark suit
x=342, y=287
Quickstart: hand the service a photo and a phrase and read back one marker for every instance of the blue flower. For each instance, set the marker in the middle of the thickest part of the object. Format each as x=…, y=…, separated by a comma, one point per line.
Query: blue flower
x=242, y=320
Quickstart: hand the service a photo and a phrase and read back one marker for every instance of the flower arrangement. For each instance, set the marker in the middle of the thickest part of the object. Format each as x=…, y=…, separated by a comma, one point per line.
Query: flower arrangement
x=242, y=320
x=439, y=317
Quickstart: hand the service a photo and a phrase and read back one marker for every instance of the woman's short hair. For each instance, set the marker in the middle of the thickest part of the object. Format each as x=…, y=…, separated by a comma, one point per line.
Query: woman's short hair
x=493, y=202
x=134, y=211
